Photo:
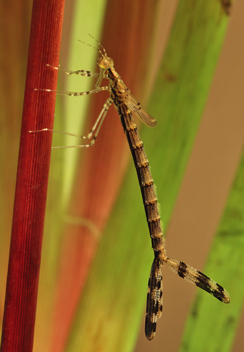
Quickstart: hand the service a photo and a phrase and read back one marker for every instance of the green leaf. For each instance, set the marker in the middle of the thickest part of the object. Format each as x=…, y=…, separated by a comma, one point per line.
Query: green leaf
x=84, y=16
x=210, y=327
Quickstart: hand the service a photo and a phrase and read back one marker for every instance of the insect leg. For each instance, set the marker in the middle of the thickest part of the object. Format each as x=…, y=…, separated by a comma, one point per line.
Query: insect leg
x=97, y=125
x=75, y=94
x=78, y=72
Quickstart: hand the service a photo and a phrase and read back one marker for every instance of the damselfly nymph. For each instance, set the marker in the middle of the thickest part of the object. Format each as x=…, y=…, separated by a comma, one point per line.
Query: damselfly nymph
x=127, y=106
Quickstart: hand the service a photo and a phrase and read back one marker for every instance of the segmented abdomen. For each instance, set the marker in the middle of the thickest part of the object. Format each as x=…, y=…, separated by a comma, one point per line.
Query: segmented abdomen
x=144, y=177
x=154, y=299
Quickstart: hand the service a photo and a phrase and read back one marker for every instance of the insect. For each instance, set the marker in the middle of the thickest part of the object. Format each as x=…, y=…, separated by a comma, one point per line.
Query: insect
x=127, y=105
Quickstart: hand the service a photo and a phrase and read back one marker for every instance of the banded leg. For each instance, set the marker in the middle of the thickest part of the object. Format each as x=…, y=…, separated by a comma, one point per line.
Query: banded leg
x=78, y=72
x=100, y=76
x=154, y=299
x=75, y=94
x=97, y=124
x=197, y=278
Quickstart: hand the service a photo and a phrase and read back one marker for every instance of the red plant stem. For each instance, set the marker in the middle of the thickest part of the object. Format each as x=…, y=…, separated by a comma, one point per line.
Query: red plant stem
x=32, y=178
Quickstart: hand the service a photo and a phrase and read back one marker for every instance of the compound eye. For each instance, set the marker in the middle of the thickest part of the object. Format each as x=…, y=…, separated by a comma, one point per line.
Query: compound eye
x=105, y=62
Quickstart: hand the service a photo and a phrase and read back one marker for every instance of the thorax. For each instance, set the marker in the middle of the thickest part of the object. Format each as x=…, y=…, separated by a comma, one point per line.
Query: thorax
x=119, y=91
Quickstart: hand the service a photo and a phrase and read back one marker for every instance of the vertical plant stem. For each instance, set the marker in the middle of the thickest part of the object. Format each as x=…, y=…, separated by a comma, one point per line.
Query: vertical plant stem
x=32, y=178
